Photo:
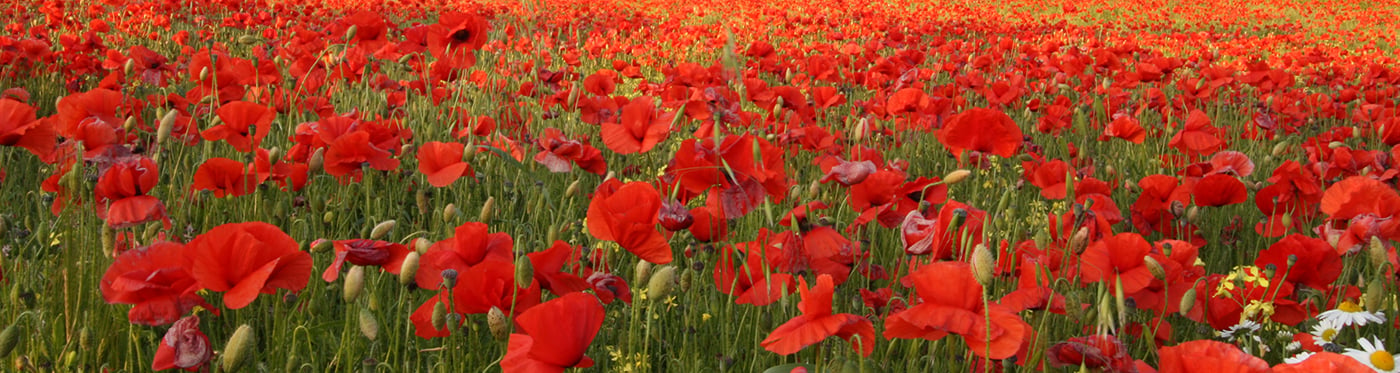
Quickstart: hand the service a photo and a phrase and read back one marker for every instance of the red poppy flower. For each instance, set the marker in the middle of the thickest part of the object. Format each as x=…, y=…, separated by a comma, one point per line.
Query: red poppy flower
x=155, y=281
x=1124, y=127
x=120, y=195
x=982, y=130
x=601, y=83
x=1117, y=258
x=549, y=267
x=348, y=154
x=1219, y=190
x=225, y=177
x=244, y=259
x=457, y=33
x=1304, y=260
x=674, y=216
x=18, y=127
x=558, y=154
x=469, y=245
x=184, y=346
x=743, y=272
x=818, y=323
x=639, y=129
x=849, y=173
x=627, y=214
x=1324, y=362
x=91, y=118
x=554, y=335
x=388, y=256
x=1098, y=352
x=1208, y=356
x=1198, y=137
x=478, y=289
x=1359, y=195
x=609, y=287
x=442, y=163
x=243, y=125
x=709, y=224
x=951, y=302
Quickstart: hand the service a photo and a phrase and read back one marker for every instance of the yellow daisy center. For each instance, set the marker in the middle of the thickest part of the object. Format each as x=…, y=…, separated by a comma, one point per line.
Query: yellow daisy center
x=1383, y=360
x=1329, y=334
x=1349, y=306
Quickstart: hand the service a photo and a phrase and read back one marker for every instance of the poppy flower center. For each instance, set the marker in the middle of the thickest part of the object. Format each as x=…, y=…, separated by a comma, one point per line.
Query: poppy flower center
x=1349, y=307
x=462, y=35
x=1383, y=360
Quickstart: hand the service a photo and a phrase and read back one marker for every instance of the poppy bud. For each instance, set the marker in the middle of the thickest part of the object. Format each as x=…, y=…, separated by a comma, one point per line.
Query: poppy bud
x=204, y=73
x=1335, y=144
x=350, y=32
x=1377, y=252
x=1178, y=209
x=439, y=318
x=661, y=283
x=248, y=39
x=573, y=188
x=553, y=233
x=1041, y=238
x=449, y=278
x=1188, y=300
x=687, y=279
x=128, y=66
x=860, y=129
x=957, y=176
x=369, y=325
x=450, y=213
x=9, y=339
x=421, y=200
x=1154, y=267
x=317, y=162
x=1375, y=296
x=150, y=234
x=642, y=272
x=382, y=229
x=1121, y=301
x=109, y=240
x=1079, y=241
x=1279, y=148
x=421, y=245
x=321, y=245
x=498, y=323
x=409, y=268
x=487, y=209
x=1356, y=132
x=813, y=189
x=1193, y=214
x=1287, y=220
x=405, y=58
x=524, y=271
x=354, y=283
x=982, y=264
x=239, y=347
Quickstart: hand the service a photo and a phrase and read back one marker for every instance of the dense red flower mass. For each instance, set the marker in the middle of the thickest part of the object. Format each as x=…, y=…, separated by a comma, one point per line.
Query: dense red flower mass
x=242, y=260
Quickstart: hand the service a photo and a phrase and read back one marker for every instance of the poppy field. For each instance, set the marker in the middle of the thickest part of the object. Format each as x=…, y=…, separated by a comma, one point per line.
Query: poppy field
x=699, y=186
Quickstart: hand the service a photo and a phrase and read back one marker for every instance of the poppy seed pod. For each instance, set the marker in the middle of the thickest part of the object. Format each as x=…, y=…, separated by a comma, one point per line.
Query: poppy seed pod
x=382, y=229
x=354, y=283
x=409, y=268
x=369, y=325
x=1079, y=241
x=239, y=347
x=661, y=283
x=449, y=278
x=498, y=323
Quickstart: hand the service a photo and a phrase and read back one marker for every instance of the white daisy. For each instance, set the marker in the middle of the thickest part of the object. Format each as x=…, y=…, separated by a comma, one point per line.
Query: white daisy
x=1239, y=330
x=1349, y=313
x=1326, y=331
x=1300, y=357
x=1374, y=355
